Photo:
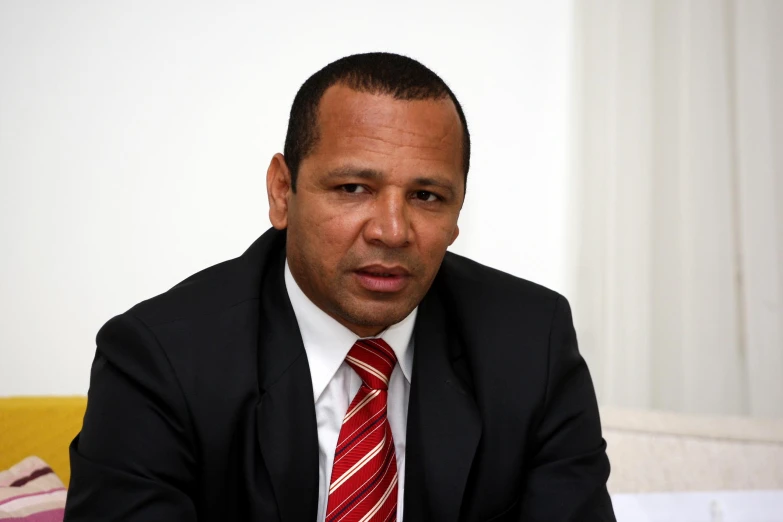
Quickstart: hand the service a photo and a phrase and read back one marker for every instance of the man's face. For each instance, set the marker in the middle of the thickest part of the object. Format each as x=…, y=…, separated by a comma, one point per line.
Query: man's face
x=376, y=205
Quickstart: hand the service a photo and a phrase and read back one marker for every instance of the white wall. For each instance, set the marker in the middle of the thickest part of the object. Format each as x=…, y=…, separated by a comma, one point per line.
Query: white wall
x=135, y=136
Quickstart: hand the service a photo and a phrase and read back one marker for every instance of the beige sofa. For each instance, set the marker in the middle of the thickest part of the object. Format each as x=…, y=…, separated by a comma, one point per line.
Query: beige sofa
x=657, y=452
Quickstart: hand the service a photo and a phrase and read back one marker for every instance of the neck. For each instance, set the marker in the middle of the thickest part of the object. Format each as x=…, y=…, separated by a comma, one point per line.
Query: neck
x=361, y=331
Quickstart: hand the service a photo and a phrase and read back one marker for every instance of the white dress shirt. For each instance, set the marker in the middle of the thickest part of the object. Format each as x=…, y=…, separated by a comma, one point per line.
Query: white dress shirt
x=335, y=384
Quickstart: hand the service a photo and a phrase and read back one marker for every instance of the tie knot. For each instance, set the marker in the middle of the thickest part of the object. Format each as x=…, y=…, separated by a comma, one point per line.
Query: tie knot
x=374, y=361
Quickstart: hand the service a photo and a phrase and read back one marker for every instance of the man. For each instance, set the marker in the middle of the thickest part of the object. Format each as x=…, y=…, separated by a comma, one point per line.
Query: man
x=346, y=367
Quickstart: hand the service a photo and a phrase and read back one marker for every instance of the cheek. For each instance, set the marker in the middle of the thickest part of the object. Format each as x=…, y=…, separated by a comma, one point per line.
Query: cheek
x=321, y=221
x=331, y=237
x=434, y=239
x=338, y=229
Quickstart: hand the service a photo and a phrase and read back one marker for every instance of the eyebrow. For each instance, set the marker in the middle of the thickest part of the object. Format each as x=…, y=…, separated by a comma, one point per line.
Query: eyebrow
x=372, y=174
x=353, y=172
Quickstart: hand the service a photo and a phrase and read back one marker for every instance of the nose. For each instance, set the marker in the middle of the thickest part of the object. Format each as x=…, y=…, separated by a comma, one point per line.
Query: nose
x=389, y=223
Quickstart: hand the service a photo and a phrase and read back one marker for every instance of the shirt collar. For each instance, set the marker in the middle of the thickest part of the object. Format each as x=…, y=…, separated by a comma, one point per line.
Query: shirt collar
x=327, y=342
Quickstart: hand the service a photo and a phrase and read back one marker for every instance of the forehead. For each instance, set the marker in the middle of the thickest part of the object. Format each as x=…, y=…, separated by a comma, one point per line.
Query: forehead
x=350, y=121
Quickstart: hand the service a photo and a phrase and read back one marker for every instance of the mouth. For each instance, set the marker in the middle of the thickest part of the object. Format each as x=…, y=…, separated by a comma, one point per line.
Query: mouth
x=380, y=278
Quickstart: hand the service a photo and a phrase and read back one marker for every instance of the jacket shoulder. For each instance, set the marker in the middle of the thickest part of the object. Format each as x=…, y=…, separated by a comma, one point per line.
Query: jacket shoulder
x=469, y=280
x=492, y=310
x=206, y=291
x=215, y=288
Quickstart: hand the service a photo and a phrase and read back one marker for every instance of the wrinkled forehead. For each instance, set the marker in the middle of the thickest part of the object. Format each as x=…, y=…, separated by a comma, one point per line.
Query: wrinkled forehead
x=345, y=113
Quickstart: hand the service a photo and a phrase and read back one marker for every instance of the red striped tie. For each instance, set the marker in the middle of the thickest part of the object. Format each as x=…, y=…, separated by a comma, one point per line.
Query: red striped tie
x=364, y=475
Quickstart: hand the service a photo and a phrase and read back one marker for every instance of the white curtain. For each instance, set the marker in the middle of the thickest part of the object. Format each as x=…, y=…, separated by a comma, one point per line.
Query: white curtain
x=677, y=198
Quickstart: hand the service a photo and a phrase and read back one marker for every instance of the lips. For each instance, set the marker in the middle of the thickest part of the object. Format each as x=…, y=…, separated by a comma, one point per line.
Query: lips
x=380, y=278
x=380, y=270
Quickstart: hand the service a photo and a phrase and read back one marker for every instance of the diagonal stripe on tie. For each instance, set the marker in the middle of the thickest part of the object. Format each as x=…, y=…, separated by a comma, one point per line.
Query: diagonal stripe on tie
x=363, y=486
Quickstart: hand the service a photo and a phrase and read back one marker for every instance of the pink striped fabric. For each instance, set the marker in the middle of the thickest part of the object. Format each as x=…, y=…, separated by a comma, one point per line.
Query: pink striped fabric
x=364, y=476
x=31, y=492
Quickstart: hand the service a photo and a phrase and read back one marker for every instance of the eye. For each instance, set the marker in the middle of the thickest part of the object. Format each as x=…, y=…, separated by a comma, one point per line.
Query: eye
x=353, y=188
x=425, y=195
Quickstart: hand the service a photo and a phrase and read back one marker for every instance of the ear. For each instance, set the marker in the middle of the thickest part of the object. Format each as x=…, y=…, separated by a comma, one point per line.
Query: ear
x=455, y=235
x=278, y=190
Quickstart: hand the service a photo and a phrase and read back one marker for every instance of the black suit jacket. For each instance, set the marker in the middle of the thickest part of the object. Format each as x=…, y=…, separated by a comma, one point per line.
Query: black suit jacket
x=201, y=405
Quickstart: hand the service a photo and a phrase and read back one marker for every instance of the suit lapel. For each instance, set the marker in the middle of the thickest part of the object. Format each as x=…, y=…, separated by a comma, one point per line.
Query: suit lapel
x=444, y=426
x=285, y=414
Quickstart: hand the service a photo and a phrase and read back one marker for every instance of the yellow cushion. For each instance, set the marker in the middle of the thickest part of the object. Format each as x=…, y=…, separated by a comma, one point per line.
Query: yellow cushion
x=40, y=426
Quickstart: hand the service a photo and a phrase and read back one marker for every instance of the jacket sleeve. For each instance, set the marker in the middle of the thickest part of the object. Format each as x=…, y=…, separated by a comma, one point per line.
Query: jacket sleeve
x=134, y=458
x=567, y=480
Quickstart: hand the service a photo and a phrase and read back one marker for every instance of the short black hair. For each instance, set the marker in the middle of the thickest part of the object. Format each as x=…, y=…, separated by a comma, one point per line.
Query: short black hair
x=378, y=73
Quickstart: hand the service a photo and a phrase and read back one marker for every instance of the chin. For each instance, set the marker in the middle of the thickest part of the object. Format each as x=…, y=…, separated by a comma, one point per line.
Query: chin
x=382, y=317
